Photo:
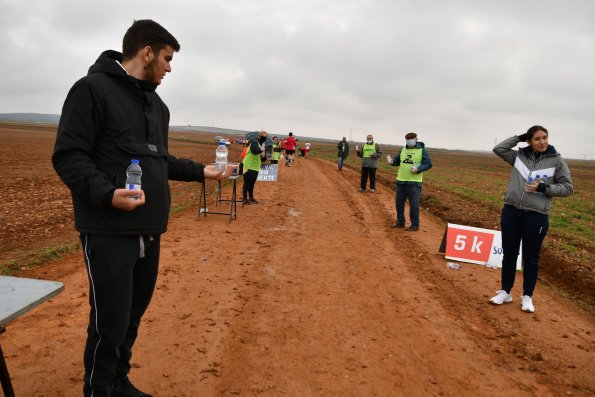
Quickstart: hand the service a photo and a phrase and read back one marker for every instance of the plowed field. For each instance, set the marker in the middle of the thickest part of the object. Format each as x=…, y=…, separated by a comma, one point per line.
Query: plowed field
x=309, y=293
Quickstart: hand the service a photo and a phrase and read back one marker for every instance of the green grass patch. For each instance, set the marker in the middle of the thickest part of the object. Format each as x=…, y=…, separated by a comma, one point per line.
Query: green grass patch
x=34, y=258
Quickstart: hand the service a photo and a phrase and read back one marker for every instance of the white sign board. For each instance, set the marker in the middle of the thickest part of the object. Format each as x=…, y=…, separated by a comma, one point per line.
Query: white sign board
x=267, y=173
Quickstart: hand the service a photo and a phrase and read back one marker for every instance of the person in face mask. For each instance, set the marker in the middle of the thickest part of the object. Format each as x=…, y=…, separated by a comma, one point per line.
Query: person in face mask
x=412, y=160
x=369, y=154
x=276, y=155
x=252, y=161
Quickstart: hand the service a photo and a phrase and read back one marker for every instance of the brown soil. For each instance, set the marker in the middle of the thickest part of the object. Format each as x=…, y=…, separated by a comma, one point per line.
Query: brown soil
x=311, y=293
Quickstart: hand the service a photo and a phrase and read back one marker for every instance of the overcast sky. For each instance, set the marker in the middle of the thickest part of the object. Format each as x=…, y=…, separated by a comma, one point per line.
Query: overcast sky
x=459, y=73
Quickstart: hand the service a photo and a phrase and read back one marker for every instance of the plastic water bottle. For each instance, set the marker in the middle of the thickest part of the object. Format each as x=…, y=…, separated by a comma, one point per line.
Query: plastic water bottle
x=529, y=181
x=388, y=159
x=221, y=156
x=133, y=177
x=455, y=266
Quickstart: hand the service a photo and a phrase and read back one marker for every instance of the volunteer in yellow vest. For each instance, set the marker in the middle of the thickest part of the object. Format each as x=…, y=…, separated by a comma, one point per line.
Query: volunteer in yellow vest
x=370, y=154
x=412, y=160
x=276, y=151
x=252, y=161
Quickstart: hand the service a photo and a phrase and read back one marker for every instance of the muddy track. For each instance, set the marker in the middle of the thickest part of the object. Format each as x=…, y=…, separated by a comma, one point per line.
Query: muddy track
x=311, y=293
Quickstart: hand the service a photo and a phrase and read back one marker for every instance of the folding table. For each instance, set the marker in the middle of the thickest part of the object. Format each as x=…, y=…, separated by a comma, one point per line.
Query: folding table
x=18, y=296
x=202, y=206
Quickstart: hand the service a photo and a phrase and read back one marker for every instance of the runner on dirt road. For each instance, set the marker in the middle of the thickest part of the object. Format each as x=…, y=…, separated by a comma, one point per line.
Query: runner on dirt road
x=290, y=143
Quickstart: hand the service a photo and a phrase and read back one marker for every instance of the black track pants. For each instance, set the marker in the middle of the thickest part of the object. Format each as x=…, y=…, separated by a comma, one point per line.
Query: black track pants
x=371, y=172
x=121, y=285
x=250, y=177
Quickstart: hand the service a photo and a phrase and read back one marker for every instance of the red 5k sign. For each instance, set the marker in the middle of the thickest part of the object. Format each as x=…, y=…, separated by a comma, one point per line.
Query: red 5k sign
x=468, y=244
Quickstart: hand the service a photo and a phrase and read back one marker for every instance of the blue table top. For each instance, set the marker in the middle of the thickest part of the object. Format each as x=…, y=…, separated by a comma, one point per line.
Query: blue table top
x=19, y=295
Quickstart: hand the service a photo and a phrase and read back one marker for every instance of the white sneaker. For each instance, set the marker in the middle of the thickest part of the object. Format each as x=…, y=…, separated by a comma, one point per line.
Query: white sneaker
x=501, y=297
x=372, y=190
x=527, y=304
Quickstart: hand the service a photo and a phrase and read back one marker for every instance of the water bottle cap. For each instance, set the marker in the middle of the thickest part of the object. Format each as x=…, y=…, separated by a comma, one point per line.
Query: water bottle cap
x=134, y=161
x=221, y=143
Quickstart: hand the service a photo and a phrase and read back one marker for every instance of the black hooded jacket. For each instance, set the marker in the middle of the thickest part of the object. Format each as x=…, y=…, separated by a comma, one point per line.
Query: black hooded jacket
x=108, y=119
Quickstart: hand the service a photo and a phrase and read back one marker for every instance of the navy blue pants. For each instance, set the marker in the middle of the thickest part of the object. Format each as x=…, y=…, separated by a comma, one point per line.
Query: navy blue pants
x=531, y=228
x=371, y=172
x=121, y=286
x=412, y=193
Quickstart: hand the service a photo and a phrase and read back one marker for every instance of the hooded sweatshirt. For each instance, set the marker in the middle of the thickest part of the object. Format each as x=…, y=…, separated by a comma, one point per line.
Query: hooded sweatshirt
x=554, y=176
x=108, y=119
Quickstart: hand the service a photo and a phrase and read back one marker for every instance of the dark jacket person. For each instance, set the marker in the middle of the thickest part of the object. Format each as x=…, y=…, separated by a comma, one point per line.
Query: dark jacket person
x=109, y=117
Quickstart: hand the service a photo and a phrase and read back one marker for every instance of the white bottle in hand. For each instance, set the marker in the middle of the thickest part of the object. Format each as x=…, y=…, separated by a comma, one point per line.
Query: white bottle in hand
x=133, y=177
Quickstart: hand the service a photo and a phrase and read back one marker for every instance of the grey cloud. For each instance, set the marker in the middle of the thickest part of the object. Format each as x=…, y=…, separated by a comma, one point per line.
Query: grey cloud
x=460, y=72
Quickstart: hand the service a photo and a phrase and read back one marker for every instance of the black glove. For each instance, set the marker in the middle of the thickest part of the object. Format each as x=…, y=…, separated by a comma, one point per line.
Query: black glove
x=523, y=137
x=541, y=187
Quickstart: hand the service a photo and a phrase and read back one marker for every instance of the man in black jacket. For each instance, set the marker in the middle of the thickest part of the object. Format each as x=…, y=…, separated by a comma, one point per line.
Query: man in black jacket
x=109, y=117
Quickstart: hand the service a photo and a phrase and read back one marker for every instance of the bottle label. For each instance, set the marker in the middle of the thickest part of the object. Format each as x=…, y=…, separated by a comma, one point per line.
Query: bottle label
x=132, y=186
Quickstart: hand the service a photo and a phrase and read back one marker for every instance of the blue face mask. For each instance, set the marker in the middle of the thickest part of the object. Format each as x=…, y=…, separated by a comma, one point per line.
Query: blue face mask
x=410, y=142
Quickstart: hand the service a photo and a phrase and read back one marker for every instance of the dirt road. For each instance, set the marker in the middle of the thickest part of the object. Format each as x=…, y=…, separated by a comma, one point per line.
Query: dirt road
x=311, y=293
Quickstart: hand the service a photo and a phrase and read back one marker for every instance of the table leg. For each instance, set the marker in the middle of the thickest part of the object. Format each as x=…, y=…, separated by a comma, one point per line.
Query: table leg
x=202, y=201
x=235, y=207
x=5, y=377
x=233, y=200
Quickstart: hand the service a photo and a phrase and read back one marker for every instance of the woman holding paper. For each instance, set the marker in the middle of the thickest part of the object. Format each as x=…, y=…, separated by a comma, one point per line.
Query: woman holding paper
x=538, y=174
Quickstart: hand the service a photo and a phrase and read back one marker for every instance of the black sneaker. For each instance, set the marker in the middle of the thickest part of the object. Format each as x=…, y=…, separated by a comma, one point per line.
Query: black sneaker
x=123, y=388
x=253, y=201
x=398, y=225
x=413, y=228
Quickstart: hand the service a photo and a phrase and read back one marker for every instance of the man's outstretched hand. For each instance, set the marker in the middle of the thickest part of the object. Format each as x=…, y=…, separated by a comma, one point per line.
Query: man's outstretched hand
x=211, y=172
